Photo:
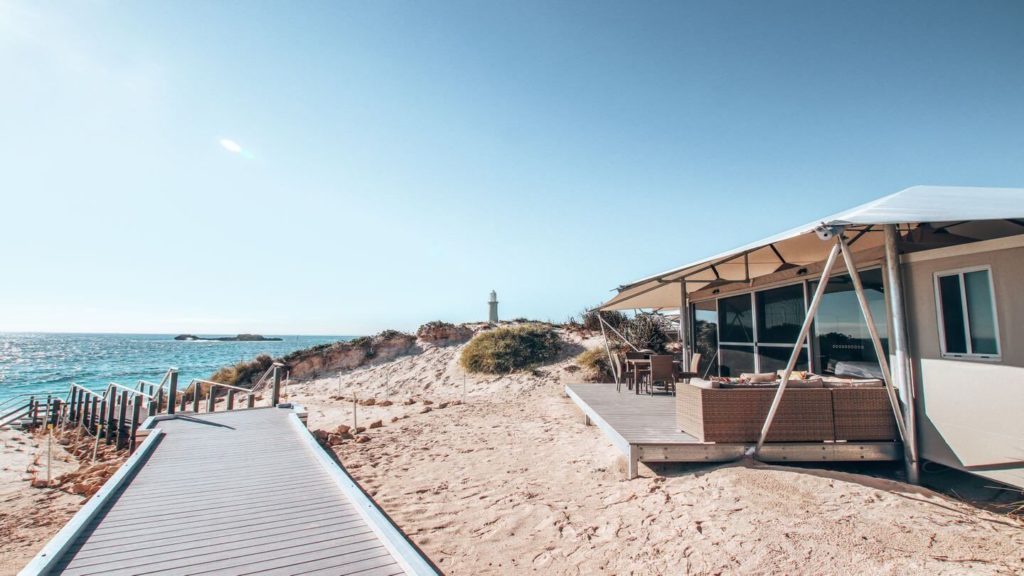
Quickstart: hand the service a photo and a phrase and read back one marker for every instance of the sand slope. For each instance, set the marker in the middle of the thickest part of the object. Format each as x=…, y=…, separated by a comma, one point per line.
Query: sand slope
x=513, y=482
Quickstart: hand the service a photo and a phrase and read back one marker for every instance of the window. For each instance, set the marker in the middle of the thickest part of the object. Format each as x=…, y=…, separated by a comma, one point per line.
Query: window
x=757, y=331
x=967, y=313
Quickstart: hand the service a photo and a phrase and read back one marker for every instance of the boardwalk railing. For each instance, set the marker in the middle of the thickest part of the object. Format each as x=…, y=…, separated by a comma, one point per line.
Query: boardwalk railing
x=116, y=414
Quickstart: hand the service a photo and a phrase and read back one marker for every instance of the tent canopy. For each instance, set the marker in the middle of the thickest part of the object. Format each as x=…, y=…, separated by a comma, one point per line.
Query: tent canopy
x=952, y=209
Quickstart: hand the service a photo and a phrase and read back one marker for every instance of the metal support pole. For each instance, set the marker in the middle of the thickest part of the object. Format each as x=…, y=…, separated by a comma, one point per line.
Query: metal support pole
x=172, y=392
x=607, y=349
x=275, y=395
x=617, y=333
x=804, y=331
x=684, y=326
x=902, y=377
x=883, y=360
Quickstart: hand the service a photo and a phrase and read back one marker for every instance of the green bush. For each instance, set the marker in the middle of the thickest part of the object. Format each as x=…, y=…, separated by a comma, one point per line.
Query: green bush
x=509, y=349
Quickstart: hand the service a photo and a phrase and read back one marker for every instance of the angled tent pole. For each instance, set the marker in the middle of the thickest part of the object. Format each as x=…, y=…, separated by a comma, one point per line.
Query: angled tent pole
x=883, y=360
x=617, y=333
x=804, y=331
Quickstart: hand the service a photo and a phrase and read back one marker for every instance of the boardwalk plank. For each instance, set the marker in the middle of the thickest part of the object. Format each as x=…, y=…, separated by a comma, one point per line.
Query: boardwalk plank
x=230, y=493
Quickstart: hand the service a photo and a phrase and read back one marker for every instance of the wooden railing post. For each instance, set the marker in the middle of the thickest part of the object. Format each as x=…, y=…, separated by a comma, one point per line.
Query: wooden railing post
x=122, y=415
x=211, y=400
x=195, y=396
x=73, y=405
x=55, y=414
x=136, y=408
x=275, y=395
x=231, y=399
x=172, y=393
x=46, y=415
x=111, y=424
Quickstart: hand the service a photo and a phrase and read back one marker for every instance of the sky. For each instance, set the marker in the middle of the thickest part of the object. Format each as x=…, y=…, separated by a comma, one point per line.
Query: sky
x=346, y=167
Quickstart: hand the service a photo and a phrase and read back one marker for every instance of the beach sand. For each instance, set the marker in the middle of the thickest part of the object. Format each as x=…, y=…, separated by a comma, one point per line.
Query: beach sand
x=30, y=516
x=512, y=481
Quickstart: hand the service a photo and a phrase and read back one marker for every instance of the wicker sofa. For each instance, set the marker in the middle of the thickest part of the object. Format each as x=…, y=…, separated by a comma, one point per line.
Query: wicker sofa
x=805, y=414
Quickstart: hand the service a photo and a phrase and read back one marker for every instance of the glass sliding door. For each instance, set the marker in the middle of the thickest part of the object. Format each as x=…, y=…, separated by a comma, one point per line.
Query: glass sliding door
x=757, y=331
x=736, y=335
x=842, y=337
x=780, y=314
x=705, y=336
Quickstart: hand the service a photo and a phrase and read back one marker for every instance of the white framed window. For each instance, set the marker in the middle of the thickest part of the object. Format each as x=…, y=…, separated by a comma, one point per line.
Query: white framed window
x=966, y=306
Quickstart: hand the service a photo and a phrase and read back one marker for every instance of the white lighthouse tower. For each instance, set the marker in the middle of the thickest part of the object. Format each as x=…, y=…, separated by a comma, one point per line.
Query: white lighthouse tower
x=492, y=317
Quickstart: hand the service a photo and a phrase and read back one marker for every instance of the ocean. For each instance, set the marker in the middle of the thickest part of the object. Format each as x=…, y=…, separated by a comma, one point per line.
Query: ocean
x=47, y=363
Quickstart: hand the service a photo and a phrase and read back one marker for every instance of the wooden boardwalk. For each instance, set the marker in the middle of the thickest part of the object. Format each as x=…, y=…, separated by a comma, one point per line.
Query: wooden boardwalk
x=239, y=492
x=643, y=427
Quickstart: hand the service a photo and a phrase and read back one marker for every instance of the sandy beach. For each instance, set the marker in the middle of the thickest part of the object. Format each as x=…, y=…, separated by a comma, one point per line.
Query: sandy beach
x=499, y=475
x=512, y=481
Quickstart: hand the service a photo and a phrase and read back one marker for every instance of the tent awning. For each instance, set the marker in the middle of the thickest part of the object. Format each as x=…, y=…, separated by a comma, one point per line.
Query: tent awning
x=801, y=246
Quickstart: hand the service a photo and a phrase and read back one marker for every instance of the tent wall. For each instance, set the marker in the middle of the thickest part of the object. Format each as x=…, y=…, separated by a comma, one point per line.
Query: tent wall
x=969, y=411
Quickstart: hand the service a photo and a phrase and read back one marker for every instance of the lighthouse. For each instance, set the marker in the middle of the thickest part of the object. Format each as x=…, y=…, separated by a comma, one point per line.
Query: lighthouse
x=492, y=304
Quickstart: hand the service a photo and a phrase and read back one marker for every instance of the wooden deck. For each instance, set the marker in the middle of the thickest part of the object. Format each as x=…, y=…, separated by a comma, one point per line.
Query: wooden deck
x=240, y=492
x=643, y=427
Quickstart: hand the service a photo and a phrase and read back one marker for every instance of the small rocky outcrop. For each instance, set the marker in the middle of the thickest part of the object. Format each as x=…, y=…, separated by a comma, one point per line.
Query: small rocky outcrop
x=444, y=333
x=314, y=361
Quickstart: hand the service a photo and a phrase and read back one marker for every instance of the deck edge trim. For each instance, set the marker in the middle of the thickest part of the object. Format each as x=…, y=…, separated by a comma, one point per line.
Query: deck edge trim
x=617, y=439
x=397, y=543
x=55, y=549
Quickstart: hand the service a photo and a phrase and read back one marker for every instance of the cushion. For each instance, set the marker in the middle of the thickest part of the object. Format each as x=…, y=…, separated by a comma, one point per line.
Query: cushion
x=706, y=384
x=834, y=382
x=741, y=383
x=796, y=374
x=814, y=382
x=758, y=377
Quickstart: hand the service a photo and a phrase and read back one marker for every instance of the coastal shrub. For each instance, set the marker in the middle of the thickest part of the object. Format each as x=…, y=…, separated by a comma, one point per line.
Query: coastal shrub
x=646, y=332
x=509, y=349
x=614, y=318
x=594, y=362
x=435, y=326
x=243, y=373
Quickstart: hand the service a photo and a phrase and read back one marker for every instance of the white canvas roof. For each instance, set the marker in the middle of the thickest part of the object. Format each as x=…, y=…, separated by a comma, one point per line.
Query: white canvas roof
x=800, y=246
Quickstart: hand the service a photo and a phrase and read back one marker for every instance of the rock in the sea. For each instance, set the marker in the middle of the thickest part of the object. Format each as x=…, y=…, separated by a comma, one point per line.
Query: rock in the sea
x=376, y=424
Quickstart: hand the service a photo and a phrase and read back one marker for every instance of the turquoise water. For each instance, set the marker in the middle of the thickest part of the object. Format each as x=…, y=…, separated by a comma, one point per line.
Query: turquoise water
x=42, y=363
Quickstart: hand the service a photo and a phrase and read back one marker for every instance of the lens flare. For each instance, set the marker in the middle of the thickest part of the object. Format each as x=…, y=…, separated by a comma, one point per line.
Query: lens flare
x=231, y=146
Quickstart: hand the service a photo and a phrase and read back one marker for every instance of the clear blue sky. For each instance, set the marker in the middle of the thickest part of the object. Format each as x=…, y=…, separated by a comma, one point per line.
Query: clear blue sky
x=401, y=159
